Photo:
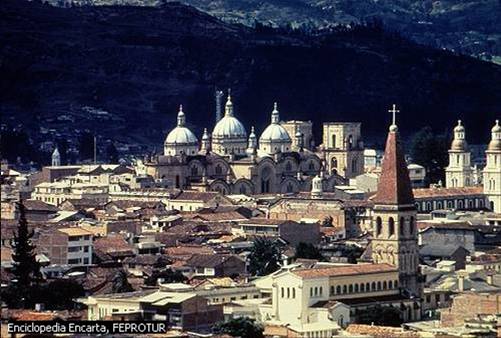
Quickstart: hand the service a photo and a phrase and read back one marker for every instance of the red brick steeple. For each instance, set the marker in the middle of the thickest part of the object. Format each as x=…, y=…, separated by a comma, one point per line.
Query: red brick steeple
x=394, y=187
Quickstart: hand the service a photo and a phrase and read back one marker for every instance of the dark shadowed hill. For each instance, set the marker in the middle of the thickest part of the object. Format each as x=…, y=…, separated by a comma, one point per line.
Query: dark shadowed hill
x=65, y=68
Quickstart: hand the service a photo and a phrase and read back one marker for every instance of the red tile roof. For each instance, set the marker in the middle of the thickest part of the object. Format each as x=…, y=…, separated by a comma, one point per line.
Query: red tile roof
x=447, y=192
x=344, y=270
x=395, y=185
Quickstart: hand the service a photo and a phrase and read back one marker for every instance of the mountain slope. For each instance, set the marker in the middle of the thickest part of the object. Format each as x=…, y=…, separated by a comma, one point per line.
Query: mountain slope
x=61, y=68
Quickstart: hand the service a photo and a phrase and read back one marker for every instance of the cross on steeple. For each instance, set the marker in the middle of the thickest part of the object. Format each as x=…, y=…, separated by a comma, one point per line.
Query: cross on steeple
x=394, y=110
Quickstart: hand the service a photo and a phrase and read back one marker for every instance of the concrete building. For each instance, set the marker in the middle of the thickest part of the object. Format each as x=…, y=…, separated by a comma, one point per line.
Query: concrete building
x=66, y=246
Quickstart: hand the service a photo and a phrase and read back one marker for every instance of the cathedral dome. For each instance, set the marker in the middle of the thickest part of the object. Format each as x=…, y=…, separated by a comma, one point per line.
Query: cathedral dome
x=229, y=126
x=275, y=132
x=459, y=143
x=181, y=135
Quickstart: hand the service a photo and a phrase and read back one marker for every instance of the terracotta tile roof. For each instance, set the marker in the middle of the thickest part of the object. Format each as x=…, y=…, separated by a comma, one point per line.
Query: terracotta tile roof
x=188, y=250
x=346, y=270
x=75, y=231
x=446, y=192
x=219, y=216
x=208, y=261
x=112, y=243
x=394, y=186
x=380, y=331
x=192, y=195
x=36, y=205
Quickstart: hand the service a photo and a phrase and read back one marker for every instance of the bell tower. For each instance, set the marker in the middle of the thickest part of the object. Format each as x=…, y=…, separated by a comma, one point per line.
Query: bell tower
x=492, y=170
x=394, y=218
x=459, y=172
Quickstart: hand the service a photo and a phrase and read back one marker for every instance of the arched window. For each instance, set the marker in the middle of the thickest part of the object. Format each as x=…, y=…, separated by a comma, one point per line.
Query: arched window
x=289, y=187
x=334, y=163
x=350, y=142
x=379, y=225
x=194, y=171
x=411, y=225
x=391, y=226
x=402, y=225
x=311, y=292
x=288, y=293
x=396, y=283
x=390, y=285
x=379, y=285
x=320, y=291
x=384, y=285
x=362, y=287
x=332, y=290
x=373, y=286
x=345, y=289
x=356, y=287
x=316, y=291
x=338, y=289
x=367, y=287
x=288, y=166
x=293, y=292
x=219, y=170
x=311, y=166
x=350, y=288
x=354, y=165
x=282, y=292
x=243, y=191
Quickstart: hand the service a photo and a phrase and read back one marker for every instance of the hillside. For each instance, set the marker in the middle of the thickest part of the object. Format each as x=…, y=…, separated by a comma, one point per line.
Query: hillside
x=122, y=71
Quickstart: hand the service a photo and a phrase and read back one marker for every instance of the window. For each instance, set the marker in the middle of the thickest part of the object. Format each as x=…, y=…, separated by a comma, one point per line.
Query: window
x=338, y=289
x=350, y=288
x=332, y=290
x=288, y=293
x=390, y=285
x=345, y=289
x=282, y=292
x=411, y=225
x=362, y=287
x=288, y=166
x=379, y=285
x=311, y=166
x=384, y=285
x=293, y=292
x=194, y=171
x=333, y=139
x=402, y=224
x=367, y=287
x=219, y=170
x=373, y=286
x=320, y=291
x=379, y=224
x=391, y=226
x=356, y=287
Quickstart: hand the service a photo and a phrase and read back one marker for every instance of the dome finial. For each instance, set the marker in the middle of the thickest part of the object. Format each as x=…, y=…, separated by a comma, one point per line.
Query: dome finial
x=275, y=117
x=459, y=122
x=229, y=105
x=180, y=117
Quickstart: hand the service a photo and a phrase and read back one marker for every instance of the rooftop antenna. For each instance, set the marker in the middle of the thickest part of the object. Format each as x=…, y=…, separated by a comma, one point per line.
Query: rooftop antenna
x=95, y=149
x=219, y=110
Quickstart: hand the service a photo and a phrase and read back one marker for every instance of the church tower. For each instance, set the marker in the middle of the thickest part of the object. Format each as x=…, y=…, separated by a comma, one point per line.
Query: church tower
x=343, y=148
x=56, y=158
x=394, y=216
x=492, y=170
x=459, y=172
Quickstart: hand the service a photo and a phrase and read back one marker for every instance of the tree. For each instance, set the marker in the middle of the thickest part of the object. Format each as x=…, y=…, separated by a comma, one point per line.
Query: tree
x=430, y=150
x=380, y=315
x=265, y=257
x=167, y=275
x=111, y=153
x=327, y=221
x=242, y=327
x=308, y=251
x=59, y=294
x=120, y=283
x=25, y=267
x=86, y=146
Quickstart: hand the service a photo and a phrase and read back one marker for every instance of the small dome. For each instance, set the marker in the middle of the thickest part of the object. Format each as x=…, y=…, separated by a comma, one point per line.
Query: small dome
x=459, y=145
x=275, y=132
x=459, y=128
x=181, y=135
x=229, y=125
x=496, y=128
x=495, y=144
